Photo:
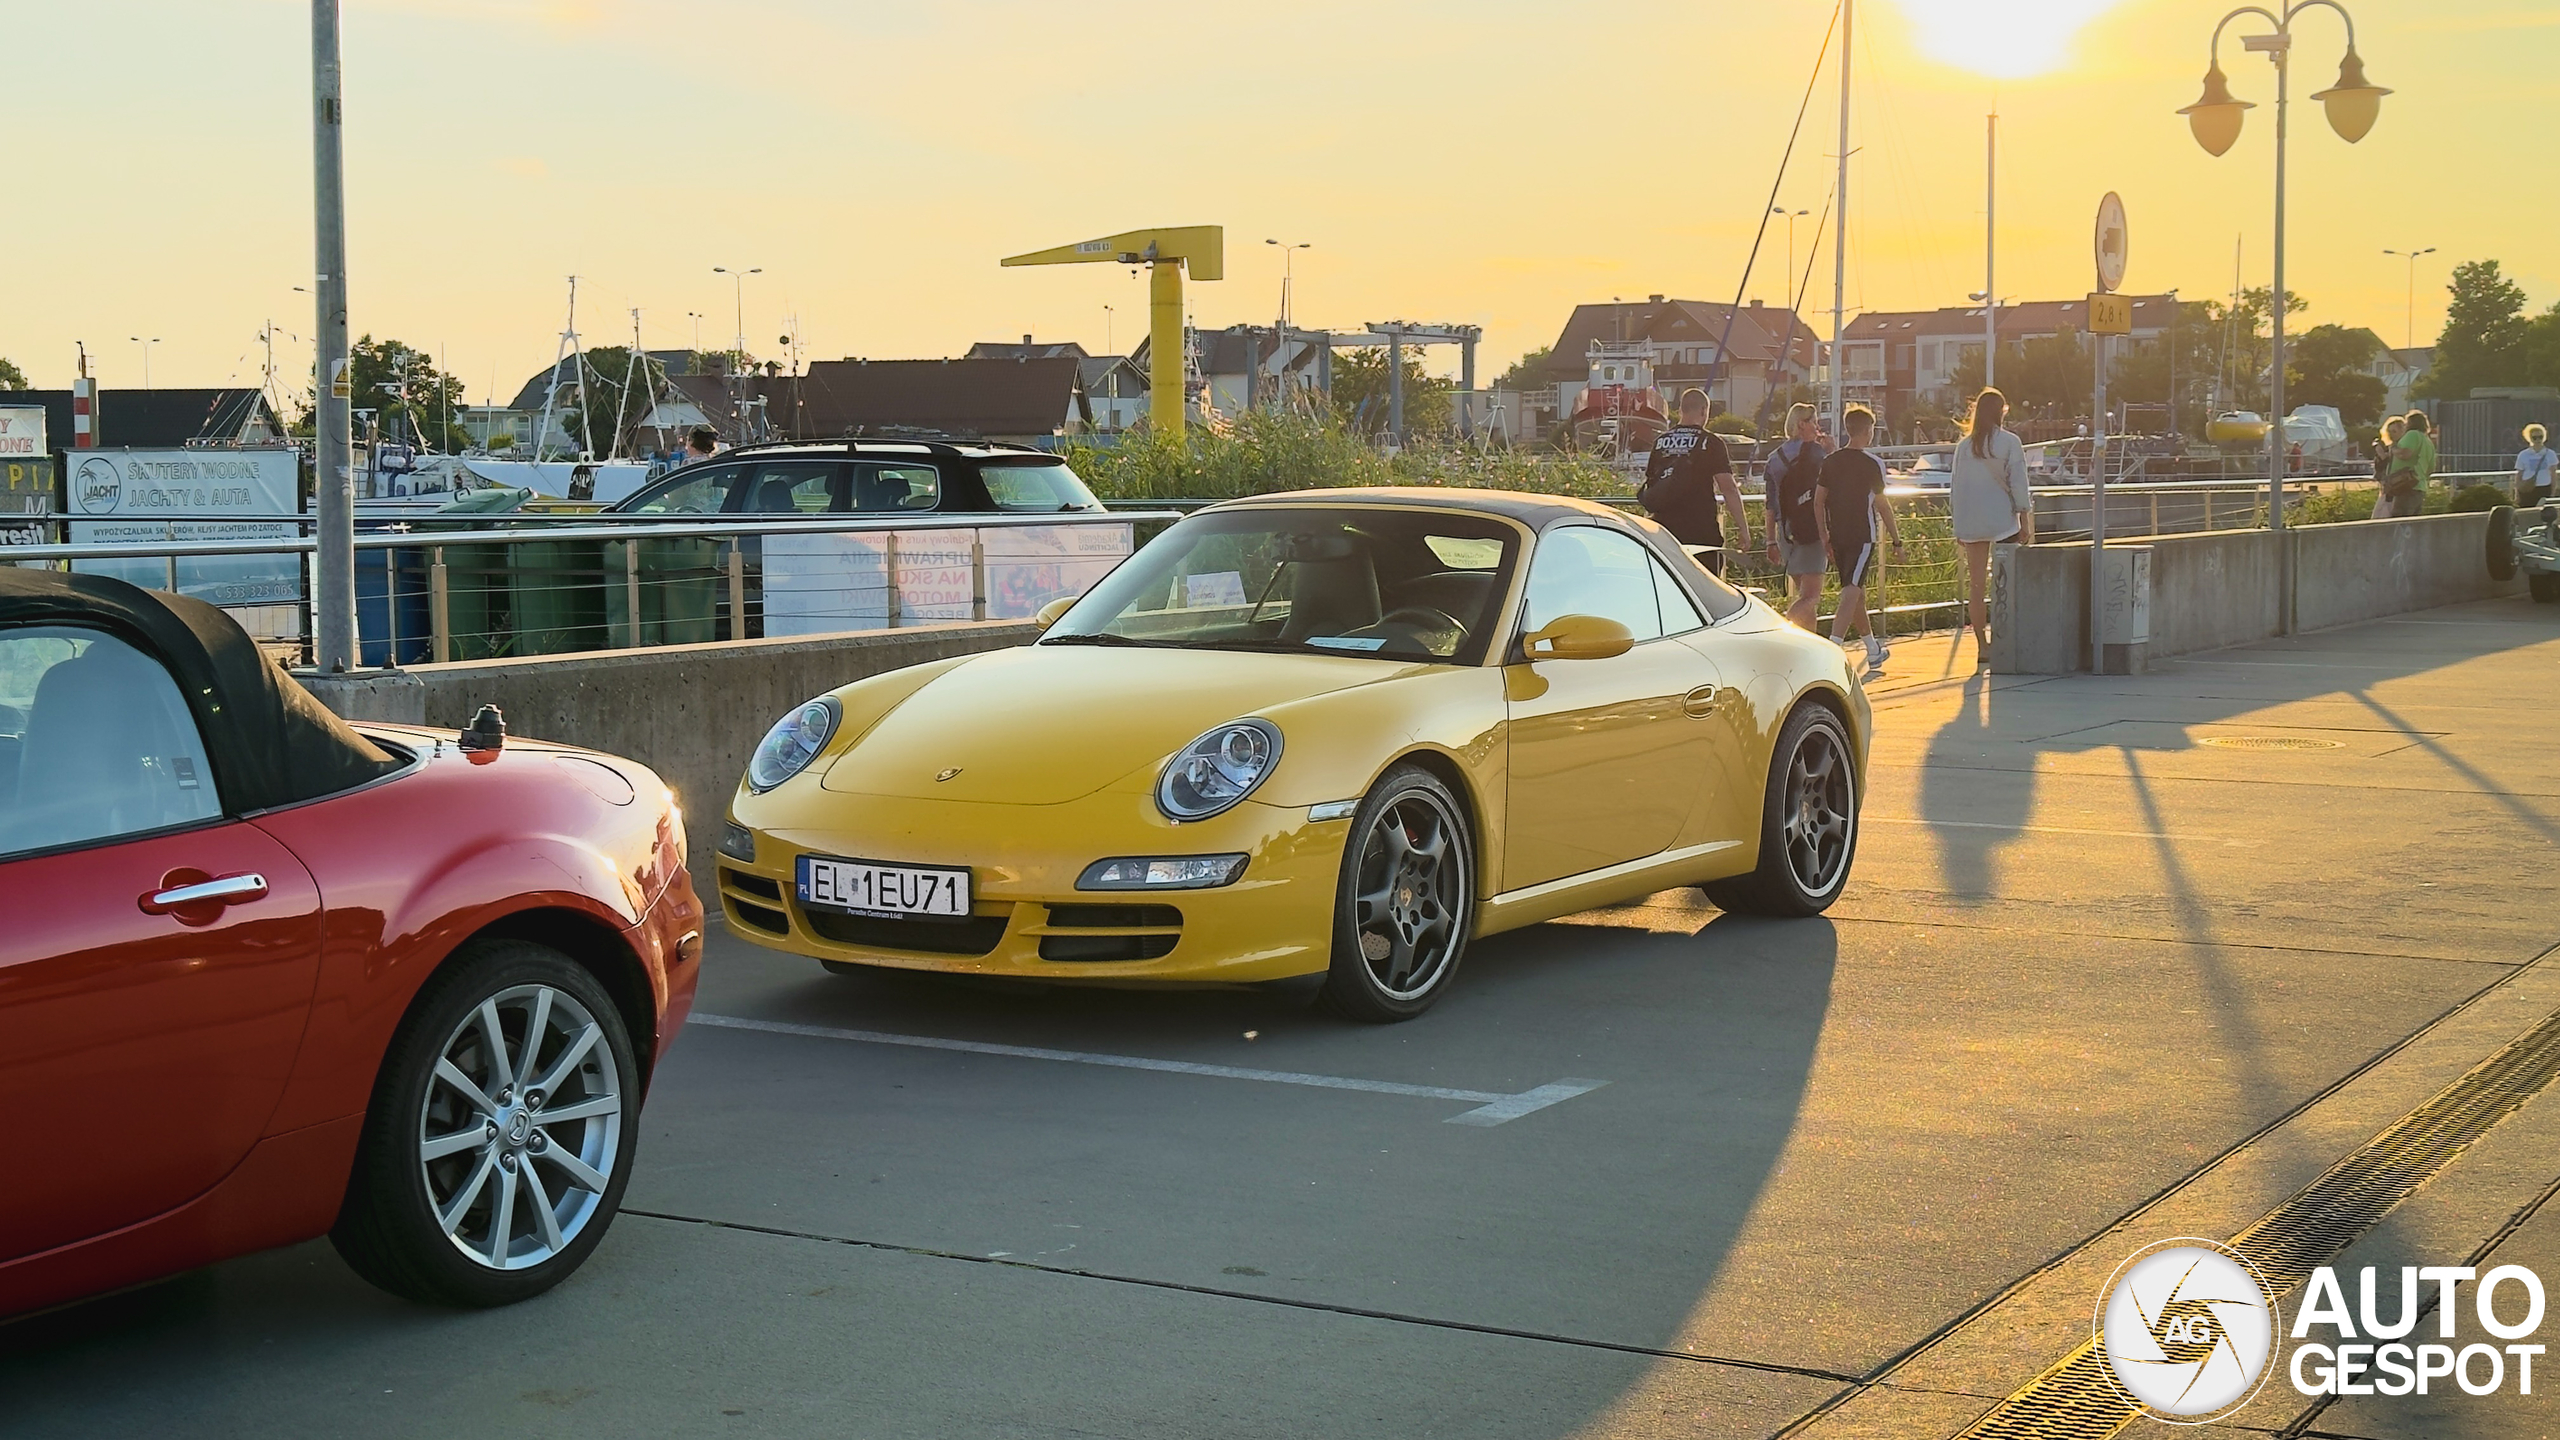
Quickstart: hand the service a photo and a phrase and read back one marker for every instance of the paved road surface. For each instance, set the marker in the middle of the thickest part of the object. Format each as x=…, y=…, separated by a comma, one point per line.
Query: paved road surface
x=2090, y=963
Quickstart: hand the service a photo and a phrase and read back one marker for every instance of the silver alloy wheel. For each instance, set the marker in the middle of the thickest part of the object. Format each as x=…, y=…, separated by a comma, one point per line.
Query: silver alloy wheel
x=1821, y=812
x=521, y=1127
x=1410, y=895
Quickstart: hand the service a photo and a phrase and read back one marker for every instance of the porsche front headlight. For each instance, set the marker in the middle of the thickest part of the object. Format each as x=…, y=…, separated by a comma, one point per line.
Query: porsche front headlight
x=793, y=742
x=1214, y=772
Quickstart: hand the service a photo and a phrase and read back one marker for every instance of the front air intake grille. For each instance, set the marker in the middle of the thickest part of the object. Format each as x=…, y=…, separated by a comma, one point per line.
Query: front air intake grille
x=977, y=935
x=1104, y=948
x=1092, y=948
x=772, y=922
x=1115, y=917
x=756, y=885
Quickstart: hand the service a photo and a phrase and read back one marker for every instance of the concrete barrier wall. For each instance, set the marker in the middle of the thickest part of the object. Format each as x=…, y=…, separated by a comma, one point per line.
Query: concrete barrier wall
x=2213, y=590
x=2208, y=591
x=693, y=713
x=2347, y=573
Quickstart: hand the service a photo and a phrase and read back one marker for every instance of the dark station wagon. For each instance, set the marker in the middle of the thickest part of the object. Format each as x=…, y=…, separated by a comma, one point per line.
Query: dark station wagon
x=867, y=477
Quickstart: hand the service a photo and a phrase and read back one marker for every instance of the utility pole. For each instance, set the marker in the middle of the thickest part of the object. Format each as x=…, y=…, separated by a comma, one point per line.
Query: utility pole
x=1991, y=252
x=333, y=452
x=1840, y=236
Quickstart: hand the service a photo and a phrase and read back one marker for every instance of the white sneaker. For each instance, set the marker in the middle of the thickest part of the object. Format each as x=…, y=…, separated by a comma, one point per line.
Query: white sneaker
x=1875, y=653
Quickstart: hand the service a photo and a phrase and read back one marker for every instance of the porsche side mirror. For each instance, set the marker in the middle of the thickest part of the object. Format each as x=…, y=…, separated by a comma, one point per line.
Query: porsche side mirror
x=1579, y=637
x=1047, y=615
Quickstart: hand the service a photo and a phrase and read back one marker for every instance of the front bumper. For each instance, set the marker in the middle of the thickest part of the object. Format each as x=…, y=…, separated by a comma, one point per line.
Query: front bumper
x=1027, y=917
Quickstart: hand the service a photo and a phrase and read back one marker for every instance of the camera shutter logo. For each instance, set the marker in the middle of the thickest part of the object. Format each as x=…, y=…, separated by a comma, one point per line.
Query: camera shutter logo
x=96, y=487
x=2188, y=1329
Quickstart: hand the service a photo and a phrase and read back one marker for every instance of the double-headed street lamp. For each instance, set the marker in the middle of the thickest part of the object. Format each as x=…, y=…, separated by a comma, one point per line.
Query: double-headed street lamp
x=146, y=357
x=2352, y=105
x=2409, y=325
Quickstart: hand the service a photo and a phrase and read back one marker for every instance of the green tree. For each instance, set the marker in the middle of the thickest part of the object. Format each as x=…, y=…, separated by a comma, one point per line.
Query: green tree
x=2484, y=334
x=591, y=407
x=2186, y=353
x=1360, y=391
x=2542, y=348
x=2328, y=365
x=11, y=377
x=1522, y=374
x=410, y=397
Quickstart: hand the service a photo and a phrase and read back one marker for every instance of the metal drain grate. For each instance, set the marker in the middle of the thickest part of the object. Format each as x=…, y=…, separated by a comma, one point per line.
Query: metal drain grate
x=2270, y=742
x=2078, y=1398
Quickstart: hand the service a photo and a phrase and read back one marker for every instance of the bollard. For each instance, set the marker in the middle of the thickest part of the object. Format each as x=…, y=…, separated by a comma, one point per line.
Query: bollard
x=737, y=588
x=439, y=614
x=631, y=589
x=889, y=569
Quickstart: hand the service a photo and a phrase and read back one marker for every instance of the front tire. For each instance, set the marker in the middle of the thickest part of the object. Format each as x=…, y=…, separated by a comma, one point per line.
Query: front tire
x=2545, y=586
x=501, y=1132
x=1808, y=823
x=1406, y=900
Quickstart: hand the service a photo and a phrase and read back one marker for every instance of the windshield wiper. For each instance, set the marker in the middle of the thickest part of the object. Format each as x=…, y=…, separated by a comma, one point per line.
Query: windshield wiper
x=1097, y=638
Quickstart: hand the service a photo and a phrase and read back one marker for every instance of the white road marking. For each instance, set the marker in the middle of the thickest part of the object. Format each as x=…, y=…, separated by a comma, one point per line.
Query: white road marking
x=2051, y=829
x=1492, y=1107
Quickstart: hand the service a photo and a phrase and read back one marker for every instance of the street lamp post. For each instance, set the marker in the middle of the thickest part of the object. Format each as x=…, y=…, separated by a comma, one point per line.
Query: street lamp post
x=1791, y=217
x=1288, y=278
x=2352, y=106
x=738, y=354
x=146, y=357
x=2409, y=324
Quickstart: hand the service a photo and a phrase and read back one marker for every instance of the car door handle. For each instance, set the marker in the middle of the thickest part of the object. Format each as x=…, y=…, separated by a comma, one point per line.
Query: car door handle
x=229, y=890
x=1700, y=703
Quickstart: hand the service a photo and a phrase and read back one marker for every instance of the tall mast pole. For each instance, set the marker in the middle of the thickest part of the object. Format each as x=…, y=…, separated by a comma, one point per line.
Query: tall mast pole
x=1991, y=251
x=1840, y=235
x=333, y=450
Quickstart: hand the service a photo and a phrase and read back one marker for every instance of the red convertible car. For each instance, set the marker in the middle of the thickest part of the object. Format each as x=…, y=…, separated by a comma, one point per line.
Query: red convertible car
x=266, y=976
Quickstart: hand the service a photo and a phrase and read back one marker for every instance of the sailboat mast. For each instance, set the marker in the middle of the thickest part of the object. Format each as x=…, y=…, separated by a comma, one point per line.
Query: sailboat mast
x=1840, y=235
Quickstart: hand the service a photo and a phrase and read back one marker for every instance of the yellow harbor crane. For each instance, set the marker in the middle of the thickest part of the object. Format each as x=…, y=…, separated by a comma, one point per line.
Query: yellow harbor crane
x=1164, y=251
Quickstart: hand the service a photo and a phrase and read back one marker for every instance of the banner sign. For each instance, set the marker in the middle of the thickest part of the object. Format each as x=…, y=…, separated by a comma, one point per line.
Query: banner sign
x=128, y=496
x=22, y=433
x=823, y=583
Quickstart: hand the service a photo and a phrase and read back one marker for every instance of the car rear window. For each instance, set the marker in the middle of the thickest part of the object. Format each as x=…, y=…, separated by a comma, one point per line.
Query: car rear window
x=1037, y=485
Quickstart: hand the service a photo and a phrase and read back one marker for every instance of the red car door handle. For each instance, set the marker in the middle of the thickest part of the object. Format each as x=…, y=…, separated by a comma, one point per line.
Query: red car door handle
x=229, y=890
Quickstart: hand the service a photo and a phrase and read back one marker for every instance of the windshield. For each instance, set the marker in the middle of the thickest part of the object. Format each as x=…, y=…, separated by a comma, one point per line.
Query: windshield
x=1390, y=584
x=1036, y=485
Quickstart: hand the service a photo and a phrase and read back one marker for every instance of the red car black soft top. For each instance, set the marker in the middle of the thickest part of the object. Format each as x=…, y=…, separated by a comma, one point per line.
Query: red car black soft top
x=268, y=741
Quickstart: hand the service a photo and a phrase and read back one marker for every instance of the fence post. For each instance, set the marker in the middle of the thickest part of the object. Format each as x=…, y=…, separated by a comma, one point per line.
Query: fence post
x=737, y=588
x=2208, y=508
x=977, y=574
x=439, y=614
x=2155, y=512
x=889, y=568
x=631, y=589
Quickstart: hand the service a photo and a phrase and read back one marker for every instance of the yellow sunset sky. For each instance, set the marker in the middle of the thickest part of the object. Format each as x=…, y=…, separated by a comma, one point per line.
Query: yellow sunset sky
x=1492, y=162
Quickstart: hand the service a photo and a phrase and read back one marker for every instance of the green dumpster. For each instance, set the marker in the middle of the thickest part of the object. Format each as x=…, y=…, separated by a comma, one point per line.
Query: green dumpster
x=555, y=591
x=681, y=581
x=476, y=590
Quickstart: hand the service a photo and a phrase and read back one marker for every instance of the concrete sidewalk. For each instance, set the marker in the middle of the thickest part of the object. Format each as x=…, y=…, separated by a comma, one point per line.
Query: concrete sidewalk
x=2122, y=959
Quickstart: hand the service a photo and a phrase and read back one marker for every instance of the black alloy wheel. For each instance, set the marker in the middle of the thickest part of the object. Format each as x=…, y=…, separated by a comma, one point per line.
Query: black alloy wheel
x=1808, y=822
x=1405, y=902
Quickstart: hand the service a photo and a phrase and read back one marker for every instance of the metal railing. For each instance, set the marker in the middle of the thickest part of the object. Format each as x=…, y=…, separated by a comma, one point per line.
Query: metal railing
x=549, y=588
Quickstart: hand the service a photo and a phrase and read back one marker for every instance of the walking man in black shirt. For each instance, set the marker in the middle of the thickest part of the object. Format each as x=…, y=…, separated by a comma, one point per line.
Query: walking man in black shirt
x=1850, y=500
x=1690, y=470
x=1787, y=507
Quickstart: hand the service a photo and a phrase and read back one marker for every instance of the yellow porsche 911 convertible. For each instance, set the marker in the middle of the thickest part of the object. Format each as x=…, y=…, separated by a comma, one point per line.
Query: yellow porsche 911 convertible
x=1334, y=732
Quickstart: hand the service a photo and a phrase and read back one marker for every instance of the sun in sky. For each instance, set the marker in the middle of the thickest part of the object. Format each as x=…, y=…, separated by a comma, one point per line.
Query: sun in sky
x=2005, y=39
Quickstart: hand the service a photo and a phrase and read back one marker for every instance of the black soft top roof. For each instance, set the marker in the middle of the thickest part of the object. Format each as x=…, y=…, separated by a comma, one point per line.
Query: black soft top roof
x=269, y=742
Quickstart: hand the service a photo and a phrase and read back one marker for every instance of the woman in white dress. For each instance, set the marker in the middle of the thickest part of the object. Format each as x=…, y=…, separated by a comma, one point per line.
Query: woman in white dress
x=1991, y=502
